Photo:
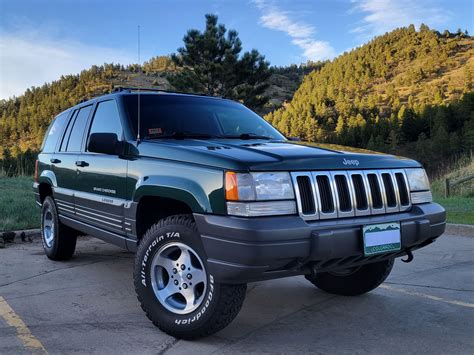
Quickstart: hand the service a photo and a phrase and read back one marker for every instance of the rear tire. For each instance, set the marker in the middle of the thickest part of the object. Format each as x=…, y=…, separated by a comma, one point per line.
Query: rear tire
x=174, y=286
x=362, y=280
x=59, y=241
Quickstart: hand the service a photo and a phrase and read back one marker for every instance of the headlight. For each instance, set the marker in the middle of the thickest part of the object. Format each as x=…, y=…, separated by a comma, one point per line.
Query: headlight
x=419, y=186
x=273, y=187
x=417, y=179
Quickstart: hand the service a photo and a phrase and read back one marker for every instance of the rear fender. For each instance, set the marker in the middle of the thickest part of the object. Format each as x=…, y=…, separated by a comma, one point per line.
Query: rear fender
x=48, y=177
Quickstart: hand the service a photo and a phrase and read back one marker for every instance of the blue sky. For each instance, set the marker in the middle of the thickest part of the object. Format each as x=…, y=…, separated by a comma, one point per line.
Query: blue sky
x=41, y=40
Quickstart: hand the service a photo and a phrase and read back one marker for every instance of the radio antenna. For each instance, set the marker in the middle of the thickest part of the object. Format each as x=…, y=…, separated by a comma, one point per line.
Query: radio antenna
x=138, y=94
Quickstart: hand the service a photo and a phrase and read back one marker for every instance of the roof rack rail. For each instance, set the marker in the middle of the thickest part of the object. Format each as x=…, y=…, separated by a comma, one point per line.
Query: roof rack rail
x=134, y=89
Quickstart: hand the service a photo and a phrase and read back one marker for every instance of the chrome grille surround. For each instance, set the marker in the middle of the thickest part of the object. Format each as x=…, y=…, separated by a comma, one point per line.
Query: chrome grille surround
x=355, y=211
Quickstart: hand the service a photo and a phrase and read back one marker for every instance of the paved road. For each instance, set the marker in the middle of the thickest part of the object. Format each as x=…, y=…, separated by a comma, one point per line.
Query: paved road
x=88, y=305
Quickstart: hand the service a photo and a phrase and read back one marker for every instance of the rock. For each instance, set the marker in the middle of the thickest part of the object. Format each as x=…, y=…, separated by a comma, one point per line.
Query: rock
x=2, y=243
x=8, y=237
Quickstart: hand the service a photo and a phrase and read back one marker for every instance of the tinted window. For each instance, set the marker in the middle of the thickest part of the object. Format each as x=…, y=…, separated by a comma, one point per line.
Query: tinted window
x=77, y=132
x=68, y=132
x=54, y=132
x=163, y=115
x=107, y=119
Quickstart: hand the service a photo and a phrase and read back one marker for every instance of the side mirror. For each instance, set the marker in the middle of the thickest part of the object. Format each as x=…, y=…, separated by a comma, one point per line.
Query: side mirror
x=106, y=143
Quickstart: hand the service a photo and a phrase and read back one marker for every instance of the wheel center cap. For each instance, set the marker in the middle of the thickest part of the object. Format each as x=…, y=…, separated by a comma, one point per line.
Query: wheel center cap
x=181, y=276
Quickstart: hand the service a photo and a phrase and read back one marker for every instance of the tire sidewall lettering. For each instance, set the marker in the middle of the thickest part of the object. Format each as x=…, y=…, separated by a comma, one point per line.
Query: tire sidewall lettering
x=151, y=247
x=218, y=304
x=190, y=320
x=184, y=320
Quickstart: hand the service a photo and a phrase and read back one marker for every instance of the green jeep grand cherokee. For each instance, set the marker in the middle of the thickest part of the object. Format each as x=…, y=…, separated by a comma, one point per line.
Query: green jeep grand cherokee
x=211, y=197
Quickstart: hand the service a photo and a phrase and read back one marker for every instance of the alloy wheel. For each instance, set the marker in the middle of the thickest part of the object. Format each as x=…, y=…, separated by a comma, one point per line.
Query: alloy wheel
x=178, y=278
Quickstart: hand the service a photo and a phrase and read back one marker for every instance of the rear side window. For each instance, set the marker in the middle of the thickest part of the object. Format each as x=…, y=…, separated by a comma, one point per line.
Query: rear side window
x=107, y=119
x=68, y=132
x=77, y=133
x=54, y=132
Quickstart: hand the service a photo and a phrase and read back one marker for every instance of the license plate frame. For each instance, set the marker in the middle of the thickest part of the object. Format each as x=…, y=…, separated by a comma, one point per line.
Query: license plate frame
x=381, y=238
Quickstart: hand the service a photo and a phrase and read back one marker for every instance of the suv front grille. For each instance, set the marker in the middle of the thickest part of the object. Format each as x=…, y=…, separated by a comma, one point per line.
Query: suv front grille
x=389, y=190
x=345, y=203
x=402, y=189
x=360, y=193
x=350, y=193
x=306, y=194
x=325, y=193
x=375, y=191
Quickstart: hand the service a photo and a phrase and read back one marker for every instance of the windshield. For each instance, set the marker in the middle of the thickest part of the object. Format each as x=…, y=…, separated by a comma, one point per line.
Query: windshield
x=175, y=116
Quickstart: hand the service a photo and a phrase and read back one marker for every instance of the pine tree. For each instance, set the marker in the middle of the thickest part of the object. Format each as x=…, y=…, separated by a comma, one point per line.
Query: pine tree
x=212, y=65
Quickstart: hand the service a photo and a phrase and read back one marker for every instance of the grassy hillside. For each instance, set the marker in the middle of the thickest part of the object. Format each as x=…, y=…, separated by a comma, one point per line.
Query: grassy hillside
x=459, y=206
x=463, y=168
x=406, y=92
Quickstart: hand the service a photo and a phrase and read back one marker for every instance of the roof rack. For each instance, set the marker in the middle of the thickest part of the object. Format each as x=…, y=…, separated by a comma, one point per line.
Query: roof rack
x=135, y=89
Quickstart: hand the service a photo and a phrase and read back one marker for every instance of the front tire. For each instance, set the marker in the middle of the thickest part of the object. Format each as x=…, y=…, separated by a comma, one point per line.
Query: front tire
x=353, y=282
x=59, y=241
x=174, y=286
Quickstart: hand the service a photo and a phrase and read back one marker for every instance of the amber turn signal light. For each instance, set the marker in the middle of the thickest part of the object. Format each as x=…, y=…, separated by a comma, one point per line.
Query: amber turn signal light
x=231, y=188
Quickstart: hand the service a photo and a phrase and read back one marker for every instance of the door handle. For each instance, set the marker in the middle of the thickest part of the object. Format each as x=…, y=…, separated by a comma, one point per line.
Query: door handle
x=55, y=161
x=82, y=163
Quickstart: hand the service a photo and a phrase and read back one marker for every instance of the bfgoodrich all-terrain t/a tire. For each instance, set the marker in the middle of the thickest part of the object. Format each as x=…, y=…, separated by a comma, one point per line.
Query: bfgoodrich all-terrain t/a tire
x=353, y=282
x=174, y=286
x=59, y=241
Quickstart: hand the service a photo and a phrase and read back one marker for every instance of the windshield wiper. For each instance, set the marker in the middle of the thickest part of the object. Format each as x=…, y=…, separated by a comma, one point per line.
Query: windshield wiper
x=247, y=136
x=182, y=135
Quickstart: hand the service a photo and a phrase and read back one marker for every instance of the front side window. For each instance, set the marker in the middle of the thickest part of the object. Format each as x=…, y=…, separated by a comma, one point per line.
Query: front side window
x=107, y=119
x=165, y=115
x=54, y=132
x=77, y=132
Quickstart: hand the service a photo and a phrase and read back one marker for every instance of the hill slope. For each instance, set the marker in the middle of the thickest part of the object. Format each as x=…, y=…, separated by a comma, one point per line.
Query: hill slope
x=406, y=92
x=24, y=120
x=401, y=88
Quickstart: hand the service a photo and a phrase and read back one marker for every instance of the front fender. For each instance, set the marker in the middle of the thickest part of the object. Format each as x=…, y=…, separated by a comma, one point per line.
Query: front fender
x=182, y=189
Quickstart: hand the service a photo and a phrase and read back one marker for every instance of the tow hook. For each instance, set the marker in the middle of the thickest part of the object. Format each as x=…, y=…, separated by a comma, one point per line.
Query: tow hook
x=409, y=256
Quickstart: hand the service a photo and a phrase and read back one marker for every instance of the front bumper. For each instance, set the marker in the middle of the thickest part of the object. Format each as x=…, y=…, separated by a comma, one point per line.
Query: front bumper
x=241, y=250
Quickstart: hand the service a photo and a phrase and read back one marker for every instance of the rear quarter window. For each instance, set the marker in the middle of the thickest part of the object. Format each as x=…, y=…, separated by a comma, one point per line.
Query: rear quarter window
x=54, y=133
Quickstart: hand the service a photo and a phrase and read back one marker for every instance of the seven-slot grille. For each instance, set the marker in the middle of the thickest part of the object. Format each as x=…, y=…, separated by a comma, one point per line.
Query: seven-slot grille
x=349, y=193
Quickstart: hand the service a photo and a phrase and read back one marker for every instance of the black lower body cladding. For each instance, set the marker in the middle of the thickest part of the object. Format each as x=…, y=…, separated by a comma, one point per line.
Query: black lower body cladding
x=243, y=250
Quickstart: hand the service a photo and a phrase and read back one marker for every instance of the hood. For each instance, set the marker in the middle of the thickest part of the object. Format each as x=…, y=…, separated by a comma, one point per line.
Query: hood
x=262, y=155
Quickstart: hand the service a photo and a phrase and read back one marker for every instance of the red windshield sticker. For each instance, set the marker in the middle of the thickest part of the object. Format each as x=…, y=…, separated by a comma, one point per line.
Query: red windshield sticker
x=155, y=131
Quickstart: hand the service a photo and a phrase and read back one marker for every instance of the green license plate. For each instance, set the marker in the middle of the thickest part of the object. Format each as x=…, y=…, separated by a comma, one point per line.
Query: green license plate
x=381, y=238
